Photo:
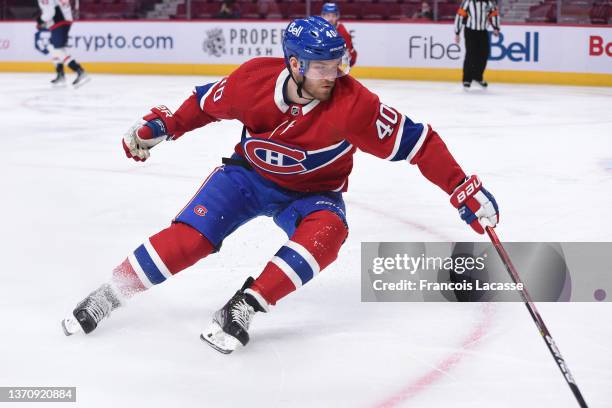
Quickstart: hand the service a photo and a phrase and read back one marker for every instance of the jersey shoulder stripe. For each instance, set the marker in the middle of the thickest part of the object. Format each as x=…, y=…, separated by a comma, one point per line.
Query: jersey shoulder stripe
x=202, y=93
x=411, y=134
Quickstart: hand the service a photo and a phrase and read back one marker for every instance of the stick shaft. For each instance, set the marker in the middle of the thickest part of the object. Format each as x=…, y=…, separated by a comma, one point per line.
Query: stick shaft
x=535, y=315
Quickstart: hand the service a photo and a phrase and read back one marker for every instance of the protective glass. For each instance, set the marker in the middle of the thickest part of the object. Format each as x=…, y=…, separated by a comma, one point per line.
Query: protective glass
x=328, y=69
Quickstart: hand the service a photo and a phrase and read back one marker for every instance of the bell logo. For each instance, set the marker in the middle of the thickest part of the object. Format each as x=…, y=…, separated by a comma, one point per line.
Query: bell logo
x=597, y=46
x=516, y=52
x=294, y=29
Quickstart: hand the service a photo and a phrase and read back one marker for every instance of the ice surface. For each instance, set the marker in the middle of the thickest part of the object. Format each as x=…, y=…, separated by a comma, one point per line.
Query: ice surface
x=73, y=207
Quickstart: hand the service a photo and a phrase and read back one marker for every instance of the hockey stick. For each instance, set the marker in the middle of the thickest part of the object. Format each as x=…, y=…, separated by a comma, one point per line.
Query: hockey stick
x=535, y=315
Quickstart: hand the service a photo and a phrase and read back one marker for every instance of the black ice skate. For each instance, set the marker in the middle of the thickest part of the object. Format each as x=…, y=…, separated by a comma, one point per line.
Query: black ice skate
x=467, y=84
x=483, y=83
x=81, y=79
x=230, y=324
x=91, y=310
x=59, y=80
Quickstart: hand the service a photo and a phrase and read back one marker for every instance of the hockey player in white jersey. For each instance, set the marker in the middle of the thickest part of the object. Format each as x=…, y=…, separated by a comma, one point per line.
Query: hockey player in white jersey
x=56, y=16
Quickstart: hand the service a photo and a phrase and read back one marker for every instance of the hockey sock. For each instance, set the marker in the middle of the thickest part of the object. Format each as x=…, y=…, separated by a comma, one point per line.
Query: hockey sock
x=59, y=68
x=314, y=245
x=75, y=66
x=159, y=257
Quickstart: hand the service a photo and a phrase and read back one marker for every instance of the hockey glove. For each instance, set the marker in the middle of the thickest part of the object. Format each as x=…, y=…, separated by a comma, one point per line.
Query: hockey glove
x=154, y=128
x=42, y=25
x=476, y=205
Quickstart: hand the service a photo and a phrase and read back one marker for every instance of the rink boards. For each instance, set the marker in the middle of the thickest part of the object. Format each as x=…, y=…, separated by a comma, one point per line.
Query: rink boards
x=570, y=55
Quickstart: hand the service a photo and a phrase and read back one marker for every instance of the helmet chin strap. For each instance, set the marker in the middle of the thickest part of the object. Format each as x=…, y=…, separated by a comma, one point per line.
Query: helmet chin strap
x=300, y=85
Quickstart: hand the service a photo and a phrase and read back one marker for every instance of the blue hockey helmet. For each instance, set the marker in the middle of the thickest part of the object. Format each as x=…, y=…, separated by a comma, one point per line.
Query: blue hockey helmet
x=331, y=8
x=314, y=39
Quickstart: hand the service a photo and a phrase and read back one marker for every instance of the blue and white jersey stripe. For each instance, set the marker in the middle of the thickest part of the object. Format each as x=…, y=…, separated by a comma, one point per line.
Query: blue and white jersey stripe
x=202, y=92
x=297, y=263
x=148, y=265
x=409, y=141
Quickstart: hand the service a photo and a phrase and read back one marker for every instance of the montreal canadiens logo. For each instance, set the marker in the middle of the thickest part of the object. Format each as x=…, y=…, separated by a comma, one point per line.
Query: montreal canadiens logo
x=200, y=210
x=273, y=157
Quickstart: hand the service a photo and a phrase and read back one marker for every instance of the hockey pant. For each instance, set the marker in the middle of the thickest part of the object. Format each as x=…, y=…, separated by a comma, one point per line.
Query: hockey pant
x=315, y=225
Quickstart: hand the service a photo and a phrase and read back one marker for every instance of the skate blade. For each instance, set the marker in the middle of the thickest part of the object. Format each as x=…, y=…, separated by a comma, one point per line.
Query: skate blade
x=218, y=339
x=70, y=325
x=82, y=82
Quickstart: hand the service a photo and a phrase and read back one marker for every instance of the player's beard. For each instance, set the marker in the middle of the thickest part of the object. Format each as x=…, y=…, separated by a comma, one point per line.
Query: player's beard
x=320, y=89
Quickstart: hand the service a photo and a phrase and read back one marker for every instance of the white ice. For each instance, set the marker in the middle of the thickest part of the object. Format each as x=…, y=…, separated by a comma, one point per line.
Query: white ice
x=73, y=207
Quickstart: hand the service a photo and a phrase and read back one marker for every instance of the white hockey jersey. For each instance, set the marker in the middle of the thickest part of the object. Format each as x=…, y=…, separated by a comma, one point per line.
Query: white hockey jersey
x=55, y=11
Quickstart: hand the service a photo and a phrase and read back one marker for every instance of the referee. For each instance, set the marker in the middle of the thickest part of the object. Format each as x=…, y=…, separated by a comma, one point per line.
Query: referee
x=475, y=14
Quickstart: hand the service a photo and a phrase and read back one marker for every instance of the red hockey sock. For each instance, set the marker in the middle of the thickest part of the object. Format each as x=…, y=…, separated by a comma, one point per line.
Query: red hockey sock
x=161, y=256
x=314, y=245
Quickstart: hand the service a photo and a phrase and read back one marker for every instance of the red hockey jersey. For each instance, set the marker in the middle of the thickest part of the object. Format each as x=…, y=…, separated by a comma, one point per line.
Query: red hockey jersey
x=349, y=42
x=310, y=147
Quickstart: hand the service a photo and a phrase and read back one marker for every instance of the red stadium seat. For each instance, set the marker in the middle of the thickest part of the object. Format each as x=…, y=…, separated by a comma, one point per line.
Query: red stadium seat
x=396, y=11
x=600, y=13
x=205, y=10
x=575, y=14
x=316, y=6
x=350, y=11
x=249, y=10
x=447, y=11
x=271, y=10
x=283, y=9
x=542, y=13
x=376, y=11
x=411, y=8
x=296, y=10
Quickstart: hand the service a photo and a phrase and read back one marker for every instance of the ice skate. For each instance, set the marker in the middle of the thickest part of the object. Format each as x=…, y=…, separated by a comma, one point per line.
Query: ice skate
x=484, y=84
x=81, y=79
x=467, y=85
x=231, y=323
x=59, y=80
x=91, y=310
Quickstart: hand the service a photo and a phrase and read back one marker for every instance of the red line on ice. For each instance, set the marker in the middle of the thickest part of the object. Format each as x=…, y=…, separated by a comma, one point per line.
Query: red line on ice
x=421, y=383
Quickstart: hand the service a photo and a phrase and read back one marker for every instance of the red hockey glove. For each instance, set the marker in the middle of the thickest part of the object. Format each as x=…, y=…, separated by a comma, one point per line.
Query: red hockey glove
x=476, y=205
x=157, y=126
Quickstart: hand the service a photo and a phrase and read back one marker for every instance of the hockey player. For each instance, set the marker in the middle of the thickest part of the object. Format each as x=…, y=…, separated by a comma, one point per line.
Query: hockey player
x=331, y=13
x=56, y=16
x=476, y=15
x=303, y=118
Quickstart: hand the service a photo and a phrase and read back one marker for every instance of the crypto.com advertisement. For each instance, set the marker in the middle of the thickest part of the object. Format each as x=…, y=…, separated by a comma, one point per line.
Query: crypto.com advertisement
x=528, y=48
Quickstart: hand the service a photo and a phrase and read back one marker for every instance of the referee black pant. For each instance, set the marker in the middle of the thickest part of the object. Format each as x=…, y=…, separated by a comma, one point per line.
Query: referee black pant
x=476, y=54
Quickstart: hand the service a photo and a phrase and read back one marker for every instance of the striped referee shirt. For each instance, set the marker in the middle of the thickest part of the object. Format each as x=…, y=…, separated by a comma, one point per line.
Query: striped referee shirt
x=475, y=14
